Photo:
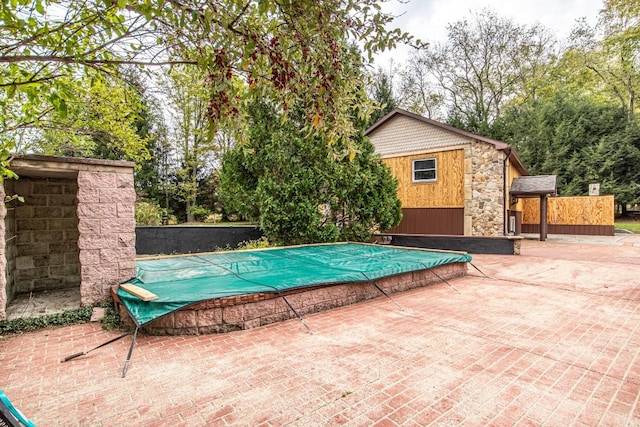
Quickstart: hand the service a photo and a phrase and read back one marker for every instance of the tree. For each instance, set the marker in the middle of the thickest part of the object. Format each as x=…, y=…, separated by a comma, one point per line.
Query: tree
x=486, y=62
x=194, y=145
x=619, y=155
x=418, y=92
x=573, y=137
x=287, y=52
x=299, y=191
x=611, y=49
x=381, y=92
x=99, y=120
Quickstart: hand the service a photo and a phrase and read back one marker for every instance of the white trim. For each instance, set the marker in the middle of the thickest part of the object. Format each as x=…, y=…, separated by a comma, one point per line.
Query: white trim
x=425, y=152
x=435, y=170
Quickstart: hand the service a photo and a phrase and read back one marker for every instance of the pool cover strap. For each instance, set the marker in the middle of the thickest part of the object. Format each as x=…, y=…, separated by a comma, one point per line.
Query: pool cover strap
x=183, y=281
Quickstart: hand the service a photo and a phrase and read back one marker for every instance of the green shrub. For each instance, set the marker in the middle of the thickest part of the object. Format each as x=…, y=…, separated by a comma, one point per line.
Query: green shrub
x=260, y=243
x=148, y=213
x=200, y=213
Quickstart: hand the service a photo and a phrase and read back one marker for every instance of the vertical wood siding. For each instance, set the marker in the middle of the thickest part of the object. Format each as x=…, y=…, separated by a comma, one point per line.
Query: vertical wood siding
x=571, y=215
x=446, y=192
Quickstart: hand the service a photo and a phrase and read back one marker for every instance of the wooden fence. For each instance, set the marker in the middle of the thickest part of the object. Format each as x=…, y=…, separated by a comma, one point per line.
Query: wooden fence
x=589, y=215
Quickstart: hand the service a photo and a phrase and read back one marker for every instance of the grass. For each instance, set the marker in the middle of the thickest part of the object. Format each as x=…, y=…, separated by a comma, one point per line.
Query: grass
x=629, y=225
x=111, y=320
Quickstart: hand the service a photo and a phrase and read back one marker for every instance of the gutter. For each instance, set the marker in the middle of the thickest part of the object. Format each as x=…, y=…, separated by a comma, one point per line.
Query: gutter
x=505, y=222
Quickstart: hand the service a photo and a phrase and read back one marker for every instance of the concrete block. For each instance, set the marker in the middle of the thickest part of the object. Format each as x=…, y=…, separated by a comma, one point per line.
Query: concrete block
x=31, y=224
x=97, y=242
x=64, y=270
x=62, y=200
x=24, y=262
x=233, y=315
x=72, y=258
x=33, y=249
x=23, y=238
x=48, y=236
x=88, y=195
x=63, y=224
x=185, y=319
x=63, y=248
x=125, y=210
x=127, y=240
x=118, y=225
x=46, y=188
x=124, y=180
x=209, y=317
x=24, y=212
x=69, y=212
x=96, y=180
x=71, y=235
x=35, y=199
x=22, y=186
x=99, y=273
x=97, y=314
x=96, y=210
x=87, y=225
x=117, y=195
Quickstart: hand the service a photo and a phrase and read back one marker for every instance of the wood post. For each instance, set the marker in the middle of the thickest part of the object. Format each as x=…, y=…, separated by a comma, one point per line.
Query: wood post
x=543, y=218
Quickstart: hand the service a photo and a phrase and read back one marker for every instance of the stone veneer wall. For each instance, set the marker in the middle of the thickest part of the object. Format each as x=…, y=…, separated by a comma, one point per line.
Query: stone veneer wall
x=485, y=208
x=106, y=226
x=46, y=253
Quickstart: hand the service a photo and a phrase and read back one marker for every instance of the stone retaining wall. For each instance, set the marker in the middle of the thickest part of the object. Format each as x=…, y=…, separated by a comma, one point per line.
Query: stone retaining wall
x=250, y=311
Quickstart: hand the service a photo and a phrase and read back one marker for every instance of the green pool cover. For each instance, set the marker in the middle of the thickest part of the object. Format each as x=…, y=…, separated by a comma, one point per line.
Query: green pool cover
x=186, y=280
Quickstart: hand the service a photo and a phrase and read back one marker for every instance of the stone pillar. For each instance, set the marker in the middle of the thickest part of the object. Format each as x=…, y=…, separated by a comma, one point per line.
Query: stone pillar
x=106, y=226
x=487, y=204
x=3, y=259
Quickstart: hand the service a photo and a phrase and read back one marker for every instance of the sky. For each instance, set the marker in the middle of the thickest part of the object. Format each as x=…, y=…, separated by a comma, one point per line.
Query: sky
x=427, y=19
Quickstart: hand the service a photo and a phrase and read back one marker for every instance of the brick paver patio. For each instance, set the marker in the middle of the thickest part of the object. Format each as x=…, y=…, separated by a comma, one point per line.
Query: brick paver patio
x=552, y=338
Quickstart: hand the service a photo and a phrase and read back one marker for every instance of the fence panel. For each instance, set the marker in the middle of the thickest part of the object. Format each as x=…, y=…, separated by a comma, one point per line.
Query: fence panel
x=572, y=215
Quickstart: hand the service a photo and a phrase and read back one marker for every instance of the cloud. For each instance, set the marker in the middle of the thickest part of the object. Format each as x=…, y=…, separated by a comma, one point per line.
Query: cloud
x=428, y=19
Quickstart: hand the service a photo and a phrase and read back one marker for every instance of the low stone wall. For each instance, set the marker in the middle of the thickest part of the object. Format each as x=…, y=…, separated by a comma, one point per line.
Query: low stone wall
x=250, y=311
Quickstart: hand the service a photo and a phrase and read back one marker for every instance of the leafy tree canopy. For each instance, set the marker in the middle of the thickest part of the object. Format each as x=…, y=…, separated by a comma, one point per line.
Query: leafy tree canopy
x=285, y=51
x=299, y=191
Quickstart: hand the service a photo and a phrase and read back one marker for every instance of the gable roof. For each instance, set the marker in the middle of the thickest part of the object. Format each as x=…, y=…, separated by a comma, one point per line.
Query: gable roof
x=499, y=145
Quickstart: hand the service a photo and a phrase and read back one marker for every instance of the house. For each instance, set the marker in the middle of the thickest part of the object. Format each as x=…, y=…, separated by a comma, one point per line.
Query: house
x=451, y=182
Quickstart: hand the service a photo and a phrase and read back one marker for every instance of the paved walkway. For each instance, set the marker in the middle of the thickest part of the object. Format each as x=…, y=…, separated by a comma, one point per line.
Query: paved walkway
x=552, y=338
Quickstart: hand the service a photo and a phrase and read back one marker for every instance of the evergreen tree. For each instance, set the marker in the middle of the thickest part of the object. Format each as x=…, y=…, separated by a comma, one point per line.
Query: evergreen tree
x=300, y=191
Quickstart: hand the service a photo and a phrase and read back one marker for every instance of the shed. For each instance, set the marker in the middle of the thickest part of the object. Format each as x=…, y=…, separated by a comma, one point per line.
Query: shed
x=75, y=229
x=452, y=182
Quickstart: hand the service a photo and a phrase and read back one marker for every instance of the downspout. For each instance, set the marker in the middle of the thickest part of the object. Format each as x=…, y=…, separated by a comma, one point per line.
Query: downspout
x=505, y=219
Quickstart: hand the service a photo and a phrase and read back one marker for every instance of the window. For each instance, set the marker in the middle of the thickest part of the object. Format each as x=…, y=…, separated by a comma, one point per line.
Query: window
x=424, y=170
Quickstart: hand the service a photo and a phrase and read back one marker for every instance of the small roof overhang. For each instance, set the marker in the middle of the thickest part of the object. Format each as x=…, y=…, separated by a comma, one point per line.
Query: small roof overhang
x=534, y=186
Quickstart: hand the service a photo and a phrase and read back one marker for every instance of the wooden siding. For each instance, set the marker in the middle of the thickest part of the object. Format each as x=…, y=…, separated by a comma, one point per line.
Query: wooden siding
x=578, y=210
x=513, y=174
x=448, y=221
x=446, y=192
